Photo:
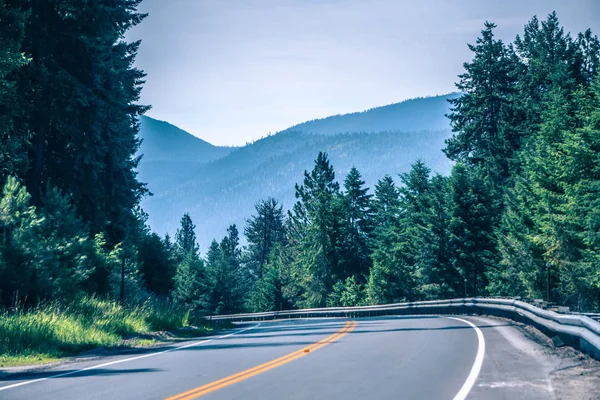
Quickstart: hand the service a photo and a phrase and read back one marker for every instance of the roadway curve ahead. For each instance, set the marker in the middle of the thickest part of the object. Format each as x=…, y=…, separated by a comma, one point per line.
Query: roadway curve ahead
x=373, y=358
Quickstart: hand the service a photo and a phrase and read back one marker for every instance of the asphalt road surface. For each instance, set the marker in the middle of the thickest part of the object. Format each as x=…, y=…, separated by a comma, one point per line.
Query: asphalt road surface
x=417, y=357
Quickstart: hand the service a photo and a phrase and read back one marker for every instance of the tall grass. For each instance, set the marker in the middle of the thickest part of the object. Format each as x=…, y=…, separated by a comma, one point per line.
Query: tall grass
x=55, y=330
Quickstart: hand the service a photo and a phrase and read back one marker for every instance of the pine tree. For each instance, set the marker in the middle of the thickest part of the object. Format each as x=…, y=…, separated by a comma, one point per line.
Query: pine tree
x=191, y=280
x=549, y=57
x=553, y=196
x=228, y=282
x=347, y=293
x=271, y=291
x=471, y=227
x=439, y=278
x=357, y=226
x=158, y=266
x=315, y=231
x=414, y=206
x=191, y=283
x=587, y=57
x=12, y=145
x=185, y=237
x=482, y=136
x=78, y=98
x=383, y=286
x=263, y=232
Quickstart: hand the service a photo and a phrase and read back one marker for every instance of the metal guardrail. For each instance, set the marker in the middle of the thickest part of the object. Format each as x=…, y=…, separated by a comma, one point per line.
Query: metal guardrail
x=578, y=331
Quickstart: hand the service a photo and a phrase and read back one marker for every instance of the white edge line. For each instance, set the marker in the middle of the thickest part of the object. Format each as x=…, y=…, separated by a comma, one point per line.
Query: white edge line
x=125, y=360
x=468, y=385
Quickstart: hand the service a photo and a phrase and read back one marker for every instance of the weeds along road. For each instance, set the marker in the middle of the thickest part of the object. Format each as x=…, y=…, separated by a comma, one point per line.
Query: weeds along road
x=419, y=357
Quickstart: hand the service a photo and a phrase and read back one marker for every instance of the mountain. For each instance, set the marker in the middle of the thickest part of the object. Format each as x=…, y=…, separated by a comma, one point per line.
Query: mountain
x=427, y=113
x=170, y=153
x=224, y=190
x=165, y=142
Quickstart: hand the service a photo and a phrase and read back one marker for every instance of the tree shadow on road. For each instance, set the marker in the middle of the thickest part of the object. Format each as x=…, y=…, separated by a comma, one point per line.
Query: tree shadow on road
x=74, y=373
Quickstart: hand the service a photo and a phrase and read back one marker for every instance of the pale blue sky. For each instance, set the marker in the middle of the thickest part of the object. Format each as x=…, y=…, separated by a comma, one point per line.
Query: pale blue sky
x=231, y=71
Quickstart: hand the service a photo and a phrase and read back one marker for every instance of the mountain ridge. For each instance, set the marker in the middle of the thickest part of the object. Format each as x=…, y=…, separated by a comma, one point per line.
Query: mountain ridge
x=223, y=190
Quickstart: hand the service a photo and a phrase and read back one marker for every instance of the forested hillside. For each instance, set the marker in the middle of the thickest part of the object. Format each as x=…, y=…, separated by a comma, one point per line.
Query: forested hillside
x=427, y=113
x=515, y=212
x=516, y=216
x=224, y=192
x=383, y=140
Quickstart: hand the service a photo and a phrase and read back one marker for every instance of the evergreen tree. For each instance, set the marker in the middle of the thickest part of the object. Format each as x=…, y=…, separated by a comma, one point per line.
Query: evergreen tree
x=78, y=96
x=315, y=230
x=158, y=266
x=550, y=60
x=12, y=146
x=553, y=196
x=587, y=57
x=185, y=237
x=471, y=227
x=190, y=281
x=414, y=206
x=263, y=232
x=439, y=278
x=226, y=278
x=270, y=292
x=383, y=285
x=482, y=136
x=357, y=226
x=347, y=293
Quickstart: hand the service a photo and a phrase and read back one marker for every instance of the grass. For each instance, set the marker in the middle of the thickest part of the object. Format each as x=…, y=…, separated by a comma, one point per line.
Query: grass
x=51, y=331
x=24, y=360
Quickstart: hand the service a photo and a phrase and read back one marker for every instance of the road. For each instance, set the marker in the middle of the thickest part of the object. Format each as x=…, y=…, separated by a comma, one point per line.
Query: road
x=417, y=357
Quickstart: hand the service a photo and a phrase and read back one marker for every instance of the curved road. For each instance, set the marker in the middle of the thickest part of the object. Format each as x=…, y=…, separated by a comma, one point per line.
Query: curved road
x=417, y=357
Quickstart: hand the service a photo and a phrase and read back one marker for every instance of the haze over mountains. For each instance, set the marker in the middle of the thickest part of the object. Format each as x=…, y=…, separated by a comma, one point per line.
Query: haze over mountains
x=219, y=186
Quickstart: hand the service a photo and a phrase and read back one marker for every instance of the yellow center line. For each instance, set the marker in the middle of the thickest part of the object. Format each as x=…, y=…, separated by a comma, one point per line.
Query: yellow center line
x=248, y=373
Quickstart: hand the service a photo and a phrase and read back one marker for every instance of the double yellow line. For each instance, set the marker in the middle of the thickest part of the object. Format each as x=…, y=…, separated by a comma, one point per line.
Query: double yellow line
x=240, y=376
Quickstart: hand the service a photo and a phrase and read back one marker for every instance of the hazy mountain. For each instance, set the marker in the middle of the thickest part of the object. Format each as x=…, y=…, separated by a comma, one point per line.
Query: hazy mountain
x=170, y=154
x=163, y=141
x=426, y=113
x=224, y=190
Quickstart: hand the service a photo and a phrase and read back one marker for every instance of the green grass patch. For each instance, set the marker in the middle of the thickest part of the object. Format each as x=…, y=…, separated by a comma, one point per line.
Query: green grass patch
x=24, y=360
x=53, y=330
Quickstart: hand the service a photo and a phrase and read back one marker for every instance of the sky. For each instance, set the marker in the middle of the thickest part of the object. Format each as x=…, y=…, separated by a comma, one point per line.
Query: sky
x=233, y=71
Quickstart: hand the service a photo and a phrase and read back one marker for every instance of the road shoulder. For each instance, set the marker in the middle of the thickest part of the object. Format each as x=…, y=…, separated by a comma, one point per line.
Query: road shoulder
x=522, y=363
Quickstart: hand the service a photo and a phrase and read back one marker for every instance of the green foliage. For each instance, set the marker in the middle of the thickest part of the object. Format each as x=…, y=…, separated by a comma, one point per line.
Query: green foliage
x=347, y=293
x=190, y=280
x=271, y=292
x=264, y=231
x=185, y=238
x=481, y=137
x=471, y=227
x=228, y=282
x=77, y=99
x=53, y=329
x=356, y=228
x=12, y=147
x=518, y=215
x=158, y=264
x=314, y=231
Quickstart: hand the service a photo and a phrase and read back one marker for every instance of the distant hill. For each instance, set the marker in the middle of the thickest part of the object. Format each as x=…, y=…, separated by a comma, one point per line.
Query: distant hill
x=224, y=190
x=163, y=141
x=171, y=154
x=426, y=113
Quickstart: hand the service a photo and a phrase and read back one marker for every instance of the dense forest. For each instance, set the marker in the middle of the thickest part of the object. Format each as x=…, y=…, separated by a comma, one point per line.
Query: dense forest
x=518, y=215
x=222, y=192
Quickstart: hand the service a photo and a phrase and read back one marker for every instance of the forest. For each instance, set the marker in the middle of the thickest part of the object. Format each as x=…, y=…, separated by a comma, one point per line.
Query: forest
x=518, y=215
